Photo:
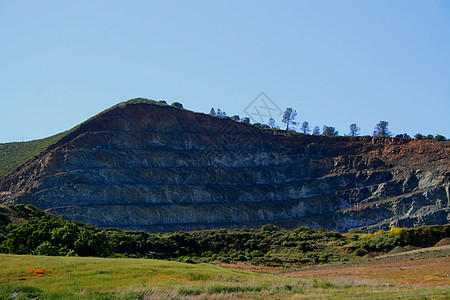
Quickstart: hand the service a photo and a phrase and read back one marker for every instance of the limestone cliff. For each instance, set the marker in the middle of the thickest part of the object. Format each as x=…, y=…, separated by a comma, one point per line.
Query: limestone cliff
x=153, y=167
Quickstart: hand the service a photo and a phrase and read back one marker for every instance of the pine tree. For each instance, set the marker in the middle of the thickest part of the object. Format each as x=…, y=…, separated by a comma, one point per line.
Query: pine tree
x=272, y=123
x=305, y=127
x=354, y=130
x=316, y=130
x=289, y=116
x=381, y=129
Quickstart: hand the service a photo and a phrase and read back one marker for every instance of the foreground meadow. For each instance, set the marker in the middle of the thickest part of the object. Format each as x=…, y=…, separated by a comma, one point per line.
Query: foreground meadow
x=50, y=277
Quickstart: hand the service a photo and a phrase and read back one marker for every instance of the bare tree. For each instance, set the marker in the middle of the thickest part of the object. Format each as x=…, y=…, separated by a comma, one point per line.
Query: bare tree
x=289, y=116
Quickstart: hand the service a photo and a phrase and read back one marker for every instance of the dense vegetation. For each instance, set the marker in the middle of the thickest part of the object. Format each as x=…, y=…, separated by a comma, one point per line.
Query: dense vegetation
x=45, y=234
x=42, y=233
x=269, y=245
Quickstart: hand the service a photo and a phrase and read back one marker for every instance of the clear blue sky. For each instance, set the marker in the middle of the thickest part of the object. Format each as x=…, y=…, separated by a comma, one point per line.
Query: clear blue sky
x=335, y=62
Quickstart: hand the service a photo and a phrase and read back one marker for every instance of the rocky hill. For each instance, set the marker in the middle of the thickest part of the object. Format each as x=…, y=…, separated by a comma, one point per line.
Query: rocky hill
x=146, y=165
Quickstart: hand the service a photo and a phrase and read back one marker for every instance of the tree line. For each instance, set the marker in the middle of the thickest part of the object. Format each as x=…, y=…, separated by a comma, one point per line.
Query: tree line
x=289, y=115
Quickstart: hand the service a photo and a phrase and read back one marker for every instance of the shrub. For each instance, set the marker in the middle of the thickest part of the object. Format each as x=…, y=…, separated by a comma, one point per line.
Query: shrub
x=440, y=138
x=324, y=284
x=177, y=104
x=397, y=232
x=269, y=227
x=188, y=260
x=91, y=243
x=256, y=253
x=324, y=257
x=360, y=252
x=366, y=235
x=425, y=236
x=379, y=232
x=47, y=249
x=241, y=257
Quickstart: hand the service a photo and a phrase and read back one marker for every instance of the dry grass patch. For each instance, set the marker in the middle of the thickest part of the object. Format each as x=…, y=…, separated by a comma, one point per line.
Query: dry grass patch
x=425, y=272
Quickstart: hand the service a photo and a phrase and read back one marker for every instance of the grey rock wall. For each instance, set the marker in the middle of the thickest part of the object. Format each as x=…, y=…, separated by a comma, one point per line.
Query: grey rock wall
x=164, y=169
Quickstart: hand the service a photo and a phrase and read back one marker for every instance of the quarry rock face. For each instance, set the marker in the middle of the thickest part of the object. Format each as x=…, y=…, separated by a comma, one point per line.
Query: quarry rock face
x=160, y=168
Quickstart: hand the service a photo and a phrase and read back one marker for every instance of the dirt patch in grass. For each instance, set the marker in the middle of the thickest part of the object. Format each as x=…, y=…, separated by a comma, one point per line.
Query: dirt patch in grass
x=422, y=272
x=443, y=242
x=400, y=249
x=421, y=253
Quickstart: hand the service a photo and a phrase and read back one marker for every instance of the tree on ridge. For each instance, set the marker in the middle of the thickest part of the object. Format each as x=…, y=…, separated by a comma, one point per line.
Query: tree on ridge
x=289, y=116
x=354, y=129
x=381, y=130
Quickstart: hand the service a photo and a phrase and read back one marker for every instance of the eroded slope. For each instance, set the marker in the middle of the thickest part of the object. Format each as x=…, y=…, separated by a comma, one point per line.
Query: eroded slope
x=160, y=168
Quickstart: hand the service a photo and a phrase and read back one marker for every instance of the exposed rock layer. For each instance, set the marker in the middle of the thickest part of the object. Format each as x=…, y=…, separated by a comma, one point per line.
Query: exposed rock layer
x=160, y=168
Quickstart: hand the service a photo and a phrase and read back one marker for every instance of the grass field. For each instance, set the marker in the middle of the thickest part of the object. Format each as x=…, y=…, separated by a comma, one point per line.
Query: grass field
x=42, y=277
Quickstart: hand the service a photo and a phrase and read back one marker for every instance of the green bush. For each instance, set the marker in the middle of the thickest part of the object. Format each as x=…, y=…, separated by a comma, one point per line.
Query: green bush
x=189, y=260
x=360, y=251
x=177, y=104
x=46, y=248
x=256, y=253
x=269, y=227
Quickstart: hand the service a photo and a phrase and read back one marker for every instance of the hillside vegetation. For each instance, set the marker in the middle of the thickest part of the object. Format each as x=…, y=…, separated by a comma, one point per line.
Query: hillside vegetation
x=180, y=271
x=40, y=233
